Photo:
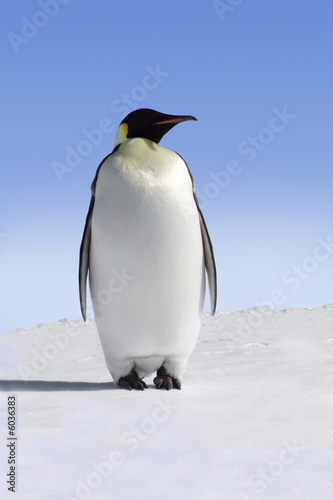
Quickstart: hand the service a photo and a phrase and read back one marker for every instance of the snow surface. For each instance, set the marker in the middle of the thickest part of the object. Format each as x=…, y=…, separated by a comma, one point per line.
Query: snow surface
x=253, y=419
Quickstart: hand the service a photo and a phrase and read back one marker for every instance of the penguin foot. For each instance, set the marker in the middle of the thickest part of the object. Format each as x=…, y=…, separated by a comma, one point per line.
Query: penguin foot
x=164, y=381
x=132, y=381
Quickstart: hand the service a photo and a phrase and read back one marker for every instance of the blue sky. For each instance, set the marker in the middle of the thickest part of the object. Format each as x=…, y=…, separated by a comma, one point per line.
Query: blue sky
x=258, y=77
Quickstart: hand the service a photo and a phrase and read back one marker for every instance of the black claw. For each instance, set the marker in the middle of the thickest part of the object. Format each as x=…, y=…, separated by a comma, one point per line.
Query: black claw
x=164, y=380
x=132, y=381
x=177, y=383
x=123, y=384
x=158, y=382
x=168, y=384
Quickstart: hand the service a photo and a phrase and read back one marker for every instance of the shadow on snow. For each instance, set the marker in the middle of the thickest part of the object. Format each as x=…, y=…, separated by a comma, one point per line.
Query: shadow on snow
x=45, y=386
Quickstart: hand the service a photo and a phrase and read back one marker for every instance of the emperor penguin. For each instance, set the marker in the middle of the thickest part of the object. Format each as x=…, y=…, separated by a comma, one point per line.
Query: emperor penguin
x=146, y=247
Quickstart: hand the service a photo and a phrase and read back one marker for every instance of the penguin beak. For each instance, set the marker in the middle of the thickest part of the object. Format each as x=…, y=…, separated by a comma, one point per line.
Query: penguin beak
x=176, y=119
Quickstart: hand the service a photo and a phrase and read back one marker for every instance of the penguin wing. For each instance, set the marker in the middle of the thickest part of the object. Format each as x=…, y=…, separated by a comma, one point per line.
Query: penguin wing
x=208, y=249
x=84, y=258
x=85, y=246
x=209, y=257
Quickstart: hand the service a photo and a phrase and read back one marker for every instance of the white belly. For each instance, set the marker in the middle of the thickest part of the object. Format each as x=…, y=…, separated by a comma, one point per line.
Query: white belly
x=147, y=279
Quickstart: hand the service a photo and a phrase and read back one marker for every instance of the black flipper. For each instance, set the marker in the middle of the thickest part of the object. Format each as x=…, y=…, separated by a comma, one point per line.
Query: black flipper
x=85, y=245
x=84, y=260
x=208, y=250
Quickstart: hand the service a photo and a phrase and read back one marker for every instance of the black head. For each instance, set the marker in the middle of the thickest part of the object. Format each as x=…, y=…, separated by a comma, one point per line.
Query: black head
x=148, y=124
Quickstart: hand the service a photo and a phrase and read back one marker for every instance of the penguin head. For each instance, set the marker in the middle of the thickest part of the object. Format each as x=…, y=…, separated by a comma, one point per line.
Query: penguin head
x=148, y=124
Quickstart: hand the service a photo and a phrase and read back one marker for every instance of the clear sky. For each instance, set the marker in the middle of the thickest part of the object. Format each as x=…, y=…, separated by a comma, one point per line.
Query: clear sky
x=257, y=75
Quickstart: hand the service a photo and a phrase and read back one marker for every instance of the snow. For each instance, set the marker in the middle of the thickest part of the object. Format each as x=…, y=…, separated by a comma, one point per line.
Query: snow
x=253, y=419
